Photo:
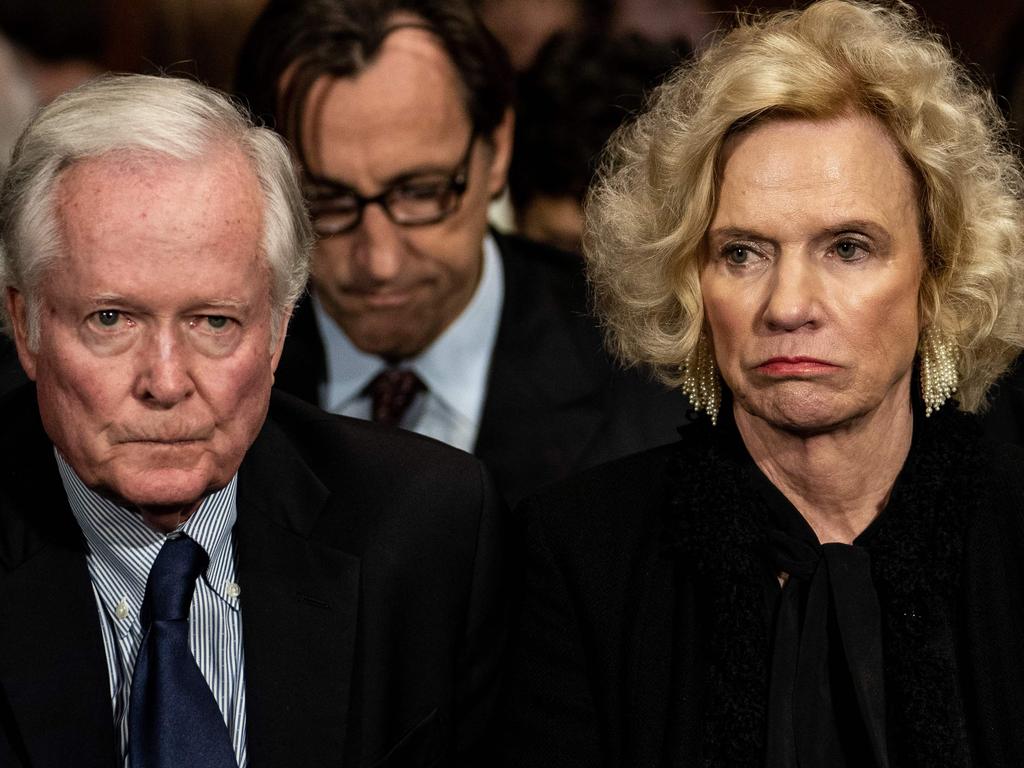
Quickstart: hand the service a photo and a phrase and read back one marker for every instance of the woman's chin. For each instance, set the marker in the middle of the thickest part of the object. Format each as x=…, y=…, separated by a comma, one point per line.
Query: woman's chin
x=803, y=411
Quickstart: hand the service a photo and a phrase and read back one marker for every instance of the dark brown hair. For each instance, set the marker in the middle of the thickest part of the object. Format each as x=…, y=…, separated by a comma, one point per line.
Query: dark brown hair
x=339, y=38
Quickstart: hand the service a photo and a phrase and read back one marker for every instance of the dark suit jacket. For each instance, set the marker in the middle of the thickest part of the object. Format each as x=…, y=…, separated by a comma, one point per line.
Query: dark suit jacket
x=1004, y=420
x=645, y=634
x=555, y=403
x=372, y=606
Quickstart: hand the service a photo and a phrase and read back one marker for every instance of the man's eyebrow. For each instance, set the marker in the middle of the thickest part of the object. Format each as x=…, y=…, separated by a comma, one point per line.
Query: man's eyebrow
x=235, y=305
x=196, y=304
x=106, y=299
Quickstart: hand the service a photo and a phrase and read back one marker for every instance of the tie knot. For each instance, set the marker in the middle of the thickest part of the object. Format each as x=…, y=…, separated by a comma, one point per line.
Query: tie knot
x=172, y=580
x=393, y=391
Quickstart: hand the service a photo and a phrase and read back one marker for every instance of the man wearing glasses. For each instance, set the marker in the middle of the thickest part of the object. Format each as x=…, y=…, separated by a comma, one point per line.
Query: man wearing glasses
x=419, y=316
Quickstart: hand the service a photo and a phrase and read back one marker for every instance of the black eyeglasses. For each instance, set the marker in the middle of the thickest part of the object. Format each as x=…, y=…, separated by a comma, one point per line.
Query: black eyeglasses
x=411, y=201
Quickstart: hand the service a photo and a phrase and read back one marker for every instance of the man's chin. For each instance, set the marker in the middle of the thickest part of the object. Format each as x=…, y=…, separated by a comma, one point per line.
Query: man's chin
x=162, y=491
x=389, y=342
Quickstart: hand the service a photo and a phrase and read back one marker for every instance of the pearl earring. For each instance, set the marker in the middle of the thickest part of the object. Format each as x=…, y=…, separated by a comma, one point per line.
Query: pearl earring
x=700, y=379
x=939, y=376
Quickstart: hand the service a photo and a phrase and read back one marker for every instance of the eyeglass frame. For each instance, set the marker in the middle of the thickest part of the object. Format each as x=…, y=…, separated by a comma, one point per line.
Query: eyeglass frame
x=456, y=183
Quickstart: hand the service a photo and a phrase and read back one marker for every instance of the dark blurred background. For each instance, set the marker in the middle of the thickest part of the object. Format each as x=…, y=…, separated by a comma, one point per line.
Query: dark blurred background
x=49, y=45
x=203, y=36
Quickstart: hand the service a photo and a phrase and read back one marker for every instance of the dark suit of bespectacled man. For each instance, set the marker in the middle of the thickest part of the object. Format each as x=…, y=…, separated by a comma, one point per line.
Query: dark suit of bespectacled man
x=174, y=537
x=399, y=113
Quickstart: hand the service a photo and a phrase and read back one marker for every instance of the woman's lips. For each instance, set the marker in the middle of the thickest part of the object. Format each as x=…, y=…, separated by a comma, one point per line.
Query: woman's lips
x=795, y=366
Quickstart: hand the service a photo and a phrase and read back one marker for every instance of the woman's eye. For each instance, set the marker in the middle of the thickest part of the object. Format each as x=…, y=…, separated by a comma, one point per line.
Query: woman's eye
x=737, y=255
x=848, y=250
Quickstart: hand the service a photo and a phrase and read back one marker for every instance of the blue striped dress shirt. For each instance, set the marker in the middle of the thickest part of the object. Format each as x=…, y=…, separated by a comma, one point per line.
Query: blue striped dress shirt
x=122, y=550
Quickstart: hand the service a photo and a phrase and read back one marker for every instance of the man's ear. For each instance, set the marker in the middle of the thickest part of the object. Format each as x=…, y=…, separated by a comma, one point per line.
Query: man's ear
x=17, y=310
x=501, y=147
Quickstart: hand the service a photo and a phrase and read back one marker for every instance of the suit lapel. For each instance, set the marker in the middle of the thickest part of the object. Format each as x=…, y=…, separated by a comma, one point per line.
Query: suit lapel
x=299, y=611
x=543, y=390
x=53, y=669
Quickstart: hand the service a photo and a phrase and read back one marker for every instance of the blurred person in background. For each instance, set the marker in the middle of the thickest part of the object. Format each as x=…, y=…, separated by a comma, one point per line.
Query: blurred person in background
x=58, y=43
x=399, y=113
x=668, y=20
x=524, y=26
x=568, y=103
x=17, y=101
x=46, y=47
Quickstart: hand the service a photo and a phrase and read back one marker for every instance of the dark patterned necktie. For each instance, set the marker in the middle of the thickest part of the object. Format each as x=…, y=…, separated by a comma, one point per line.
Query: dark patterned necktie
x=393, y=391
x=173, y=719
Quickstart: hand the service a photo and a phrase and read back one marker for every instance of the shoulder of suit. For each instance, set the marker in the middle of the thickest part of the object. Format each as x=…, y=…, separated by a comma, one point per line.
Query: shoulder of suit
x=327, y=441
x=546, y=267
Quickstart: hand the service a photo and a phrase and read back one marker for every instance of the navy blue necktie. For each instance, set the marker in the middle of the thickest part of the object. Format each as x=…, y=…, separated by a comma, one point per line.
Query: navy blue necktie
x=173, y=719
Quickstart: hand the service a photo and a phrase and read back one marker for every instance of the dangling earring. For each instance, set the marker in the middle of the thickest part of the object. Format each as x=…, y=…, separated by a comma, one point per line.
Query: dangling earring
x=939, y=377
x=700, y=379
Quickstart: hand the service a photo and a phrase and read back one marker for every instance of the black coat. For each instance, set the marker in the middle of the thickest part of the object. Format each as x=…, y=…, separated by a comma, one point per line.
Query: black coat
x=373, y=603
x=555, y=403
x=644, y=640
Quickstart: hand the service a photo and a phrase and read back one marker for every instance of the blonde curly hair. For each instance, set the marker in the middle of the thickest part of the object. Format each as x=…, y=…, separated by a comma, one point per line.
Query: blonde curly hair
x=647, y=214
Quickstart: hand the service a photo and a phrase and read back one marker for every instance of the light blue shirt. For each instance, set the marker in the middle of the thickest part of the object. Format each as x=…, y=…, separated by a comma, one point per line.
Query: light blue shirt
x=454, y=367
x=122, y=550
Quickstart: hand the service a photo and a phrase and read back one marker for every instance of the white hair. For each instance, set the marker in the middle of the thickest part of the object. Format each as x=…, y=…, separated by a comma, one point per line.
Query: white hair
x=172, y=117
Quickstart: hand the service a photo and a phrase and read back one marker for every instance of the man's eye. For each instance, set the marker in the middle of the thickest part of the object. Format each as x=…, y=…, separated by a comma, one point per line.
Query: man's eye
x=211, y=322
x=328, y=205
x=426, y=190
x=109, y=319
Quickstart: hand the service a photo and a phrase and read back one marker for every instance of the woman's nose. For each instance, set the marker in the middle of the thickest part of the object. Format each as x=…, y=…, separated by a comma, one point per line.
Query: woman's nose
x=794, y=298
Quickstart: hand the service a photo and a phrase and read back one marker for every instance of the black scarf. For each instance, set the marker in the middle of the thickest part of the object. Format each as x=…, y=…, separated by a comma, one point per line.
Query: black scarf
x=717, y=528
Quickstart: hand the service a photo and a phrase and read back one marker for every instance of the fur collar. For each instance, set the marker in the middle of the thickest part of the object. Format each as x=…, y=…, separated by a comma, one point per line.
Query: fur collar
x=716, y=525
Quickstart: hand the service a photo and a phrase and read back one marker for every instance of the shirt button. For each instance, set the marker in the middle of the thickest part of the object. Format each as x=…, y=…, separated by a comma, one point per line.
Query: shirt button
x=121, y=610
x=233, y=589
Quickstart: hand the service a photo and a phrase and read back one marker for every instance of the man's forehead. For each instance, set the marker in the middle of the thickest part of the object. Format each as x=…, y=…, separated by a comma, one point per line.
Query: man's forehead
x=149, y=181
x=137, y=212
x=153, y=165
x=410, y=83
x=413, y=39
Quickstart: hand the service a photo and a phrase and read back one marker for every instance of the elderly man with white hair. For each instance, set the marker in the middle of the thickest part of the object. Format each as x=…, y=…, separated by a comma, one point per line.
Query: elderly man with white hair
x=194, y=572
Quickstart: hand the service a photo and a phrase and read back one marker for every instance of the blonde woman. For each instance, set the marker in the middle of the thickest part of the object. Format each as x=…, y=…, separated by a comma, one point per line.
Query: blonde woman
x=814, y=232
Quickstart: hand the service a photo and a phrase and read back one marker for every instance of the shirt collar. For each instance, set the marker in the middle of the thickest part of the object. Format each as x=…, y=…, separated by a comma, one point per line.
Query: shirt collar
x=125, y=548
x=454, y=367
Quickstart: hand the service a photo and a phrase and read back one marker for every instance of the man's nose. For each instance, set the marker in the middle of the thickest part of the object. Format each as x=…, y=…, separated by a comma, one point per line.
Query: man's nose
x=164, y=376
x=795, y=292
x=378, y=245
